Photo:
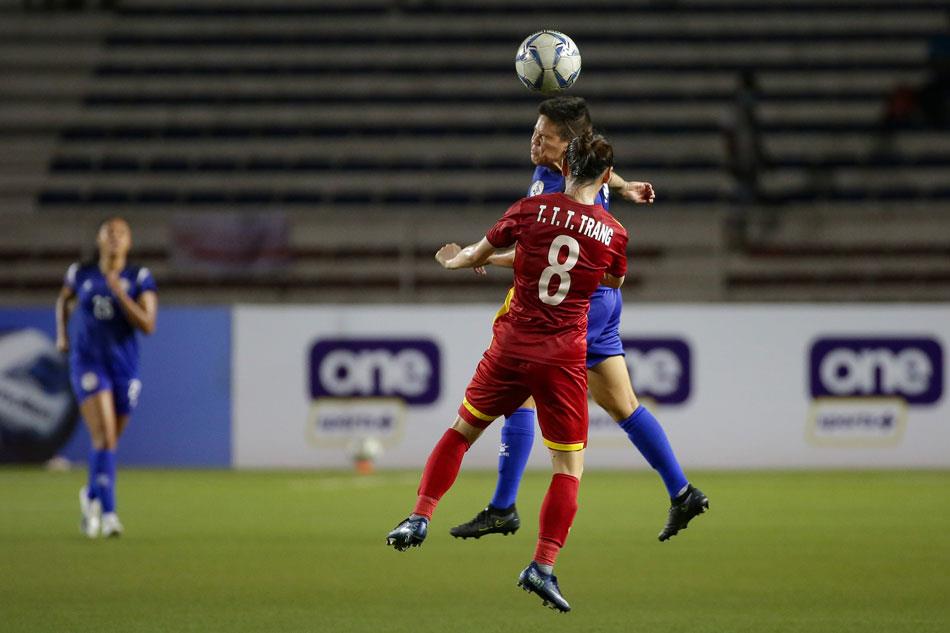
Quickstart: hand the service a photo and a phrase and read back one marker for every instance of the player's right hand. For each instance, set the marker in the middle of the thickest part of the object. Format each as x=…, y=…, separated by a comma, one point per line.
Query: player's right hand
x=447, y=252
x=639, y=192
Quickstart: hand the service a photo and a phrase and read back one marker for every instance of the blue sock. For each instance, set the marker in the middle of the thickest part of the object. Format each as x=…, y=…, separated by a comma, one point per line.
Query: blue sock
x=648, y=436
x=92, y=488
x=517, y=438
x=105, y=479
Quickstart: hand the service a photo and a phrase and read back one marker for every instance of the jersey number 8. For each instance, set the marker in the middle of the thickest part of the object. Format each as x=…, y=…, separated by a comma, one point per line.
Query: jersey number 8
x=559, y=270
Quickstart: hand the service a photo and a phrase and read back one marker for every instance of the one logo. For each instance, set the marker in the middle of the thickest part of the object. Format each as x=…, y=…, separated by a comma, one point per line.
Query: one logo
x=861, y=387
x=660, y=368
x=661, y=372
x=376, y=368
x=360, y=388
x=907, y=368
x=537, y=188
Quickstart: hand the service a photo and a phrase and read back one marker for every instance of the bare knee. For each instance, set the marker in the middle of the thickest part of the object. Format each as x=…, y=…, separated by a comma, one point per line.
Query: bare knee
x=468, y=431
x=620, y=406
x=98, y=413
x=609, y=384
x=568, y=462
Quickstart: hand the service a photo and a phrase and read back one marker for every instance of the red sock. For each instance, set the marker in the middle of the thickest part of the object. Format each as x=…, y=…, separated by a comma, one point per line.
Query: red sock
x=557, y=515
x=440, y=472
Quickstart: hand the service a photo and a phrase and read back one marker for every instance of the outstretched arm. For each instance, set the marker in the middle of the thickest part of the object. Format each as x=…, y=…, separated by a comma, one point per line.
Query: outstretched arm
x=505, y=259
x=453, y=256
x=634, y=191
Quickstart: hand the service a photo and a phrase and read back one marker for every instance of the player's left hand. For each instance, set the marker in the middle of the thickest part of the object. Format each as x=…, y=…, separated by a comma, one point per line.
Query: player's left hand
x=447, y=252
x=639, y=192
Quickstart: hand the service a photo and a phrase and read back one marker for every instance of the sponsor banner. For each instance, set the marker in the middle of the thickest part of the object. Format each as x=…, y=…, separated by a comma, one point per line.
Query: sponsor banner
x=37, y=410
x=183, y=416
x=311, y=385
x=734, y=386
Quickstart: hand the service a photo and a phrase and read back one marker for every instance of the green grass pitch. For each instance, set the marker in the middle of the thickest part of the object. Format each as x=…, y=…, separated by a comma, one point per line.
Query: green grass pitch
x=284, y=552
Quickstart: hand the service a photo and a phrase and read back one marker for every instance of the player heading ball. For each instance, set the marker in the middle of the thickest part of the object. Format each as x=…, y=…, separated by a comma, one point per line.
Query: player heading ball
x=566, y=246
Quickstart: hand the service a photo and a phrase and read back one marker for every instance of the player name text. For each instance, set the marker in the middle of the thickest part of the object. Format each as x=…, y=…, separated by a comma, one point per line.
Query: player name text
x=582, y=224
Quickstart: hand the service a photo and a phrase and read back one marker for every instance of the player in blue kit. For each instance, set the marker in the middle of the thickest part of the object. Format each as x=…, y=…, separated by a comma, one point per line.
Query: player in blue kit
x=560, y=119
x=111, y=299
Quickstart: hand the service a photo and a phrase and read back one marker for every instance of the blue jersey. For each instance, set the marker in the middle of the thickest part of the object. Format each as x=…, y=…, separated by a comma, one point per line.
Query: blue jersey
x=102, y=335
x=546, y=180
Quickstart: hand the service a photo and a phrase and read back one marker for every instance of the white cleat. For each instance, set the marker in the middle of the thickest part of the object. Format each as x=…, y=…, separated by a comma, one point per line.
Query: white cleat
x=111, y=527
x=91, y=511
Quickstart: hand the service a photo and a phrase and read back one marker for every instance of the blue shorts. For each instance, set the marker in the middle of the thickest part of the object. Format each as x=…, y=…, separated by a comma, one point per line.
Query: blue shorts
x=90, y=378
x=603, y=325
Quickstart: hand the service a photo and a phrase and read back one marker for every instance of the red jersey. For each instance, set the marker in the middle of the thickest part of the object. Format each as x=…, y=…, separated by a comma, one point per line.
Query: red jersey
x=563, y=250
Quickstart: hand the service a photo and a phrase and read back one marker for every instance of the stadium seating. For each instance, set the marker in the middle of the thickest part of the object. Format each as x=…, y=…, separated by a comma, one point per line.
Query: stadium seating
x=338, y=111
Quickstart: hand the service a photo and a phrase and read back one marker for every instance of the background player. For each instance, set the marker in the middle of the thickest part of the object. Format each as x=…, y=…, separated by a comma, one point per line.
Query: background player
x=566, y=246
x=112, y=299
x=559, y=120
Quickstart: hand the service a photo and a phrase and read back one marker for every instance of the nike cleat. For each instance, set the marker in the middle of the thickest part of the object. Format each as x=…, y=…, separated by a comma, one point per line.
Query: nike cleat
x=683, y=512
x=410, y=533
x=489, y=521
x=534, y=580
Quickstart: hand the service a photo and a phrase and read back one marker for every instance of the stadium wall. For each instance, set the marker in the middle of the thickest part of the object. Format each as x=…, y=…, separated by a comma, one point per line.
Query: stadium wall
x=735, y=386
x=751, y=386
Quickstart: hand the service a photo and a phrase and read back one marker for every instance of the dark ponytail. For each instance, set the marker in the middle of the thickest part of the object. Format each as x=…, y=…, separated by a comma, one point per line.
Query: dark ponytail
x=588, y=156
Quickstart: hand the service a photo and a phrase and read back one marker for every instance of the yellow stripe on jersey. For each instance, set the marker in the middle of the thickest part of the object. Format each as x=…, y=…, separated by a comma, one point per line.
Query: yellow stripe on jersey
x=478, y=414
x=563, y=447
x=506, y=305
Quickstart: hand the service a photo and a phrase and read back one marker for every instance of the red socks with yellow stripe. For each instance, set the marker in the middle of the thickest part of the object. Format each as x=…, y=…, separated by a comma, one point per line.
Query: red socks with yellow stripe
x=440, y=472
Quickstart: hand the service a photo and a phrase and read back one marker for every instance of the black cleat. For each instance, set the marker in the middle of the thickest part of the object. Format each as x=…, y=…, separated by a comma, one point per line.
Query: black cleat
x=683, y=512
x=545, y=585
x=489, y=521
x=409, y=533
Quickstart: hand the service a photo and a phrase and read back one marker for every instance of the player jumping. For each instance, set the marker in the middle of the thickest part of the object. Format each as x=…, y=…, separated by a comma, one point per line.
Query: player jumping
x=567, y=245
x=561, y=119
x=112, y=300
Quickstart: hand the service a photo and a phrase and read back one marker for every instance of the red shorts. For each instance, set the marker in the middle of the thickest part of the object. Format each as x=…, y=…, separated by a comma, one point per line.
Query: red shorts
x=501, y=385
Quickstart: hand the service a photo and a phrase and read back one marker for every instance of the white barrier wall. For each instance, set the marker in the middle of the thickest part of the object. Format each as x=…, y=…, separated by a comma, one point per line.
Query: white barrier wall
x=734, y=386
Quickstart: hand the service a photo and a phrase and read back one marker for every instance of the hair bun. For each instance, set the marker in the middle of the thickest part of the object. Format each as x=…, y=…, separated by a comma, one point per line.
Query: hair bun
x=588, y=156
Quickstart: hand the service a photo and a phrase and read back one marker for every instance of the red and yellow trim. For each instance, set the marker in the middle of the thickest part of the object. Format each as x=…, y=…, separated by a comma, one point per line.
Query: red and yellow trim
x=576, y=446
x=506, y=306
x=478, y=414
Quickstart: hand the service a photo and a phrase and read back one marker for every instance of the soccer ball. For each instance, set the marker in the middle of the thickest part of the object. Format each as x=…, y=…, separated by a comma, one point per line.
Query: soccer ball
x=548, y=62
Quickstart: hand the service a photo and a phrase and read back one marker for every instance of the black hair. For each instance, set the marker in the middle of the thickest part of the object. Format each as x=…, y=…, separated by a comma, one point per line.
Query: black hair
x=588, y=156
x=569, y=114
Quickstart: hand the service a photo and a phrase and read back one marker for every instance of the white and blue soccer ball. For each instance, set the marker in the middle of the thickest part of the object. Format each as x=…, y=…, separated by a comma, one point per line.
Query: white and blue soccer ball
x=548, y=62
